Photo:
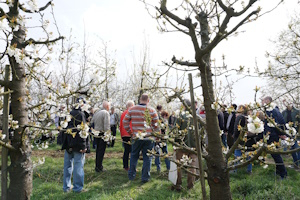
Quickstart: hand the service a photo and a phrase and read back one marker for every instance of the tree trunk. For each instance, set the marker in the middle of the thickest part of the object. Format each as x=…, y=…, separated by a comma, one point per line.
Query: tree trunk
x=218, y=178
x=20, y=170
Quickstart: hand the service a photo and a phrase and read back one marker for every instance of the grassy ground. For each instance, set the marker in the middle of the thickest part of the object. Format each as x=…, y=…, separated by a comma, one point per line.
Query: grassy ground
x=114, y=184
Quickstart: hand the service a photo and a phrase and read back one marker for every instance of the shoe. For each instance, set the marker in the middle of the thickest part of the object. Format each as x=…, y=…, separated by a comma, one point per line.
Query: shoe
x=69, y=190
x=145, y=181
x=81, y=191
x=100, y=170
x=177, y=188
x=293, y=166
x=126, y=169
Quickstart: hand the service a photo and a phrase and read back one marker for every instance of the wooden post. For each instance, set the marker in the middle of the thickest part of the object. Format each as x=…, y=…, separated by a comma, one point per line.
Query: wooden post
x=198, y=138
x=4, y=156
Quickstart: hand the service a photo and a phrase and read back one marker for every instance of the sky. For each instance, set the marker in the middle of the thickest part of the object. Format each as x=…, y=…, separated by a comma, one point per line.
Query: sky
x=126, y=25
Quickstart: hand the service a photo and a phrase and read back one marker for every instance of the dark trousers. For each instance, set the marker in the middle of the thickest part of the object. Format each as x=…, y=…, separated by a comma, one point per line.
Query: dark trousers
x=100, y=150
x=127, y=150
x=280, y=168
x=113, y=129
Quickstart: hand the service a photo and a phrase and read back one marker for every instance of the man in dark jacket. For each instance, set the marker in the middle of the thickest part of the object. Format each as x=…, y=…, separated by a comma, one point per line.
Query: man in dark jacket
x=275, y=134
x=75, y=148
x=229, y=126
x=292, y=115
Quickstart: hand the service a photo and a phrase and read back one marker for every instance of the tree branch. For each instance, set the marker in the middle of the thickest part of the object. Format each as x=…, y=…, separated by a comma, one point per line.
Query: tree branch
x=184, y=63
x=39, y=10
x=32, y=41
x=258, y=153
x=5, y=83
x=7, y=145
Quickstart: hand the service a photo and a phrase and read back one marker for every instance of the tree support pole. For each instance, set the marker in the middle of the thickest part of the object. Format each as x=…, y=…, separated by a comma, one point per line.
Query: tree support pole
x=198, y=138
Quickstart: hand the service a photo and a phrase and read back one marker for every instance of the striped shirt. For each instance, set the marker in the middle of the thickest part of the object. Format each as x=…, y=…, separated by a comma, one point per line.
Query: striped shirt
x=136, y=115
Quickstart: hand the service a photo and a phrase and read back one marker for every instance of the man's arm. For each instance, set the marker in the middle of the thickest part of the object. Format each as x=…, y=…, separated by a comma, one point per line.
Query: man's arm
x=126, y=122
x=154, y=121
x=106, y=124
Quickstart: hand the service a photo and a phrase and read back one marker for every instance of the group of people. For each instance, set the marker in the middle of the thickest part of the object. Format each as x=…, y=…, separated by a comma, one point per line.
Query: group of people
x=137, y=125
x=75, y=146
x=237, y=120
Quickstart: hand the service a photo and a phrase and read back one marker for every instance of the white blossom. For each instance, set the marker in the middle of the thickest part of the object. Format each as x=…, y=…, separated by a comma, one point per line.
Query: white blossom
x=45, y=145
x=107, y=137
x=141, y=135
x=68, y=118
x=265, y=166
x=147, y=126
x=290, y=130
x=84, y=130
x=39, y=162
x=270, y=106
x=177, y=113
x=255, y=125
x=185, y=160
x=55, y=132
x=215, y=106
x=32, y=5
x=14, y=124
x=95, y=132
x=64, y=124
x=85, y=107
x=3, y=137
x=4, y=25
x=10, y=3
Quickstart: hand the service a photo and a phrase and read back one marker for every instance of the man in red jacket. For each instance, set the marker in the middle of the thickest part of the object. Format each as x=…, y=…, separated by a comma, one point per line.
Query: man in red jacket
x=126, y=136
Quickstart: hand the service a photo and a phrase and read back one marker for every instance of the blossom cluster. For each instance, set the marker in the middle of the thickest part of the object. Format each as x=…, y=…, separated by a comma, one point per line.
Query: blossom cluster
x=255, y=125
x=19, y=55
x=185, y=160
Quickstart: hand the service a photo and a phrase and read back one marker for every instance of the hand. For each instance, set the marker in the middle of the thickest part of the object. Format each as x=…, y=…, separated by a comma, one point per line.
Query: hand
x=83, y=151
x=283, y=137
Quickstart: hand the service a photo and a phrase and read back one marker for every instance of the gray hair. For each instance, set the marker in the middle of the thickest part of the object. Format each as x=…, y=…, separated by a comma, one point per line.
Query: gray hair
x=188, y=102
x=129, y=104
x=105, y=104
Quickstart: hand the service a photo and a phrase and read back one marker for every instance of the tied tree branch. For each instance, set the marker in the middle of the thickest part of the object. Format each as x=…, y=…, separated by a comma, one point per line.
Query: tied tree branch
x=39, y=10
x=32, y=41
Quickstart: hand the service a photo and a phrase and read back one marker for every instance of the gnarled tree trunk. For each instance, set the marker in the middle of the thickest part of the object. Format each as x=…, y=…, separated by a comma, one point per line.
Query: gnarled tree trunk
x=20, y=170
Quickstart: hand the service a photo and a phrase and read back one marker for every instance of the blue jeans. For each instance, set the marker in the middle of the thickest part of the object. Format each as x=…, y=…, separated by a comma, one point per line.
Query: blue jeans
x=73, y=162
x=296, y=155
x=224, y=139
x=238, y=153
x=136, y=147
x=164, y=149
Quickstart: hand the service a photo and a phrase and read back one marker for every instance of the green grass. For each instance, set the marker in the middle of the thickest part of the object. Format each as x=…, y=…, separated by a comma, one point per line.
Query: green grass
x=114, y=184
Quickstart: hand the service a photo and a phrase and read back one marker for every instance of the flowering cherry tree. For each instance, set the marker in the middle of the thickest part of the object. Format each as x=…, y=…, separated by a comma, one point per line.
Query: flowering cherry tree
x=25, y=57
